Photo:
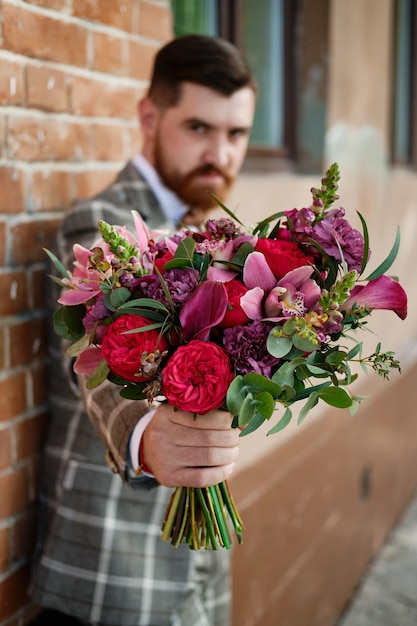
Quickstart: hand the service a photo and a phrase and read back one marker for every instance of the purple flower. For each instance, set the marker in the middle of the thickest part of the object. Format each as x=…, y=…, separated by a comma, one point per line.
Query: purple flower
x=223, y=228
x=246, y=347
x=181, y=283
x=334, y=230
x=96, y=314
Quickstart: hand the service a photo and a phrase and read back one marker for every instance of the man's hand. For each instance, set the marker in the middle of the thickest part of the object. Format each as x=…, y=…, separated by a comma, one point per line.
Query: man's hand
x=182, y=451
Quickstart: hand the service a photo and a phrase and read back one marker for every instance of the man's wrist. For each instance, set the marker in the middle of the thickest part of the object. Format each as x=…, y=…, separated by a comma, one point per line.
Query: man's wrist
x=136, y=445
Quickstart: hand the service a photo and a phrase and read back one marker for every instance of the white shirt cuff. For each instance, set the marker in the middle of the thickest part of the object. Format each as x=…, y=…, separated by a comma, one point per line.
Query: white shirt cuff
x=136, y=438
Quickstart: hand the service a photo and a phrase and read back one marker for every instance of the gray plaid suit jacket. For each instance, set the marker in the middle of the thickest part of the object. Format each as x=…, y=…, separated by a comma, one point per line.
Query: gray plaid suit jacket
x=99, y=554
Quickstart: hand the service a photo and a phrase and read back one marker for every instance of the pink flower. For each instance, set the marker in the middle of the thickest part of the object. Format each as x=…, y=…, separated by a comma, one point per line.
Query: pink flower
x=85, y=281
x=133, y=356
x=197, y=377
x=382, y=293
x=295, y=294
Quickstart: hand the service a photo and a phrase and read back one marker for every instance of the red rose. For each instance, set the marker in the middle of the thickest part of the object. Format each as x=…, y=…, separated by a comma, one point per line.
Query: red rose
x=282, y=256
x=197, y=377
x=123, y=353
x=160, y=261
x=235, y=315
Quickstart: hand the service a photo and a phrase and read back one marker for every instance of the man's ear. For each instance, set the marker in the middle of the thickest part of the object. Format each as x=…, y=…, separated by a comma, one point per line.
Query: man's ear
x=148, y=117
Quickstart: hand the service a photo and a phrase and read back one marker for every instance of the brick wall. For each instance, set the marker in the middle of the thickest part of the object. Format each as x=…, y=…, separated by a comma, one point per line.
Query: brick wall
x=71, y=72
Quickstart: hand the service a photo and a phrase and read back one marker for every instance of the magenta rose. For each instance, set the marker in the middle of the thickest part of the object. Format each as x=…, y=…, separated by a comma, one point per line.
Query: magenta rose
x=235, y=315
x=197, y=376
x=126, y=354
x=282, y=256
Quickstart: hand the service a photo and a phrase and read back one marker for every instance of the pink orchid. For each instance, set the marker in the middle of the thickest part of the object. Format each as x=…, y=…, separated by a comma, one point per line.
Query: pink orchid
x=382, y=293
x=295, y=294
x=85, y=281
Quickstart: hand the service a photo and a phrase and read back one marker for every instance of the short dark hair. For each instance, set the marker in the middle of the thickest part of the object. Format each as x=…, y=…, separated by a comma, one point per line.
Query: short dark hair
x=209, y=61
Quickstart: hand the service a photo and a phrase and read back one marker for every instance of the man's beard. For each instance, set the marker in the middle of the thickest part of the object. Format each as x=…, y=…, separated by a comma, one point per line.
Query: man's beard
x=193, y=193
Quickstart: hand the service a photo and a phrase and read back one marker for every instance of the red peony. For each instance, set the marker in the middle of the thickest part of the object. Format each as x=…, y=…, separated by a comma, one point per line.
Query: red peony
x=197, y=377
x=126, y=354
x=235, y=315
x=282, y=256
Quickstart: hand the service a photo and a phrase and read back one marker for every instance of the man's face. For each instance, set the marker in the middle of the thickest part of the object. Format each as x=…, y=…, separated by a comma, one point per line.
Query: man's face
x=201, y=142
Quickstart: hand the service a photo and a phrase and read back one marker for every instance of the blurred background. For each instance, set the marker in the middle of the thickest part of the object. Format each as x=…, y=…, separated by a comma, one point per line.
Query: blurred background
x=338, y=82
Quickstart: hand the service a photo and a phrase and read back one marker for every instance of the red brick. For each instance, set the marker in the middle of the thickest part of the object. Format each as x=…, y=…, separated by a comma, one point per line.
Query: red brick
x=29, y=435
x=100, y=98
x=13, y=293
x=47, y=88
x=13, y=592
x=111, y=142
x=13, y=189
x=24, y=533
x=36, y=287
x=2, y=349
x=40, y=36
x=12, y=86
x=13, y=398
x=27, y=341
x=5, y=450
x=109, y=54
x=155, y=21
x=43, y=138
x=117, y=13
x=50, y=189
x=28, y=239
x=55, y=5
x=90, y=183
x=40, y=385
x=3, y=232
x=4, y=549
x=141, y=58
x=14, y=493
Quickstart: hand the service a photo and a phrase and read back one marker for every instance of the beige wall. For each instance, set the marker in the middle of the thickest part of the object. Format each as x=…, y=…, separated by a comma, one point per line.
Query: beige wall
x=310, y=530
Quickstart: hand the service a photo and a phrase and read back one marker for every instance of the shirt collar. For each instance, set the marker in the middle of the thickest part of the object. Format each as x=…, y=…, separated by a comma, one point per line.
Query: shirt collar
x=173, y=208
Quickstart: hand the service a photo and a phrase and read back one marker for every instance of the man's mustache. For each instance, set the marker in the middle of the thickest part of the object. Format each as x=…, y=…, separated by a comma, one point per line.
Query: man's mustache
x=203, y=170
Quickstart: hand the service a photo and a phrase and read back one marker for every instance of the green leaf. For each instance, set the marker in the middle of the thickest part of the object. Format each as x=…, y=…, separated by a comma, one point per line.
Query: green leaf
x=366, y=244
x=247, y=410
x=256, y=421
x=278, y=346
x=303, y=344
x=143, y=329
x=178, y=264
x=264, y=404
x=386, y=264
x=228, y=211
x=79, y=346
x=304, y=393
x=67, y=322
x=150, y=315
x=335, y=396
x=335, y=357
x=285, y=374
x=61, y=269
x=134, y=392
x=260, y=383
x=354, y=351
x=242, y=254
x=310, y=404
x=144, y=302
x=283, y=422
x=185, y=249
x=99, y=375
x=235, y=395
x=119, y=296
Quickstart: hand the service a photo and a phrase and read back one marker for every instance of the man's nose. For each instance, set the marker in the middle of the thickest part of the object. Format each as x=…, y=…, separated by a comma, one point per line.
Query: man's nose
x=218, y=152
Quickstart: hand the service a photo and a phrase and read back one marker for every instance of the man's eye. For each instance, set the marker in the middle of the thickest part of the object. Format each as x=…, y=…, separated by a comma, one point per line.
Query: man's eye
x=236, y=133
x=198, y=128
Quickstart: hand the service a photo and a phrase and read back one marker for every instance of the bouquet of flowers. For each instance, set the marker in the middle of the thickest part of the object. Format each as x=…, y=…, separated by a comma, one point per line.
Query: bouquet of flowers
x=252, y=320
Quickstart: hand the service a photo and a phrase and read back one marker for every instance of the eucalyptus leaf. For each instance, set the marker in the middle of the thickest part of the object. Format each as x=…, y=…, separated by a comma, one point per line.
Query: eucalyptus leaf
x=256, y=421
x=261, y=383
x=99, y=375
x=119, y=296
x=335, y=357
x=79, y=346
x=335, y=396
x=283, y=422
x=278, y=346
x=310, y=404
x=235, y=395
x=67, y=322
x=354, y=351
x=303, y=344
x=264, y=403
x=247, y=410
x=285, y=374
x=185, y=249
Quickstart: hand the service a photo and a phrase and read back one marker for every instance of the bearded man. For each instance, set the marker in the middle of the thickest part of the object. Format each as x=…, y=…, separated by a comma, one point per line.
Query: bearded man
x=100, y=559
